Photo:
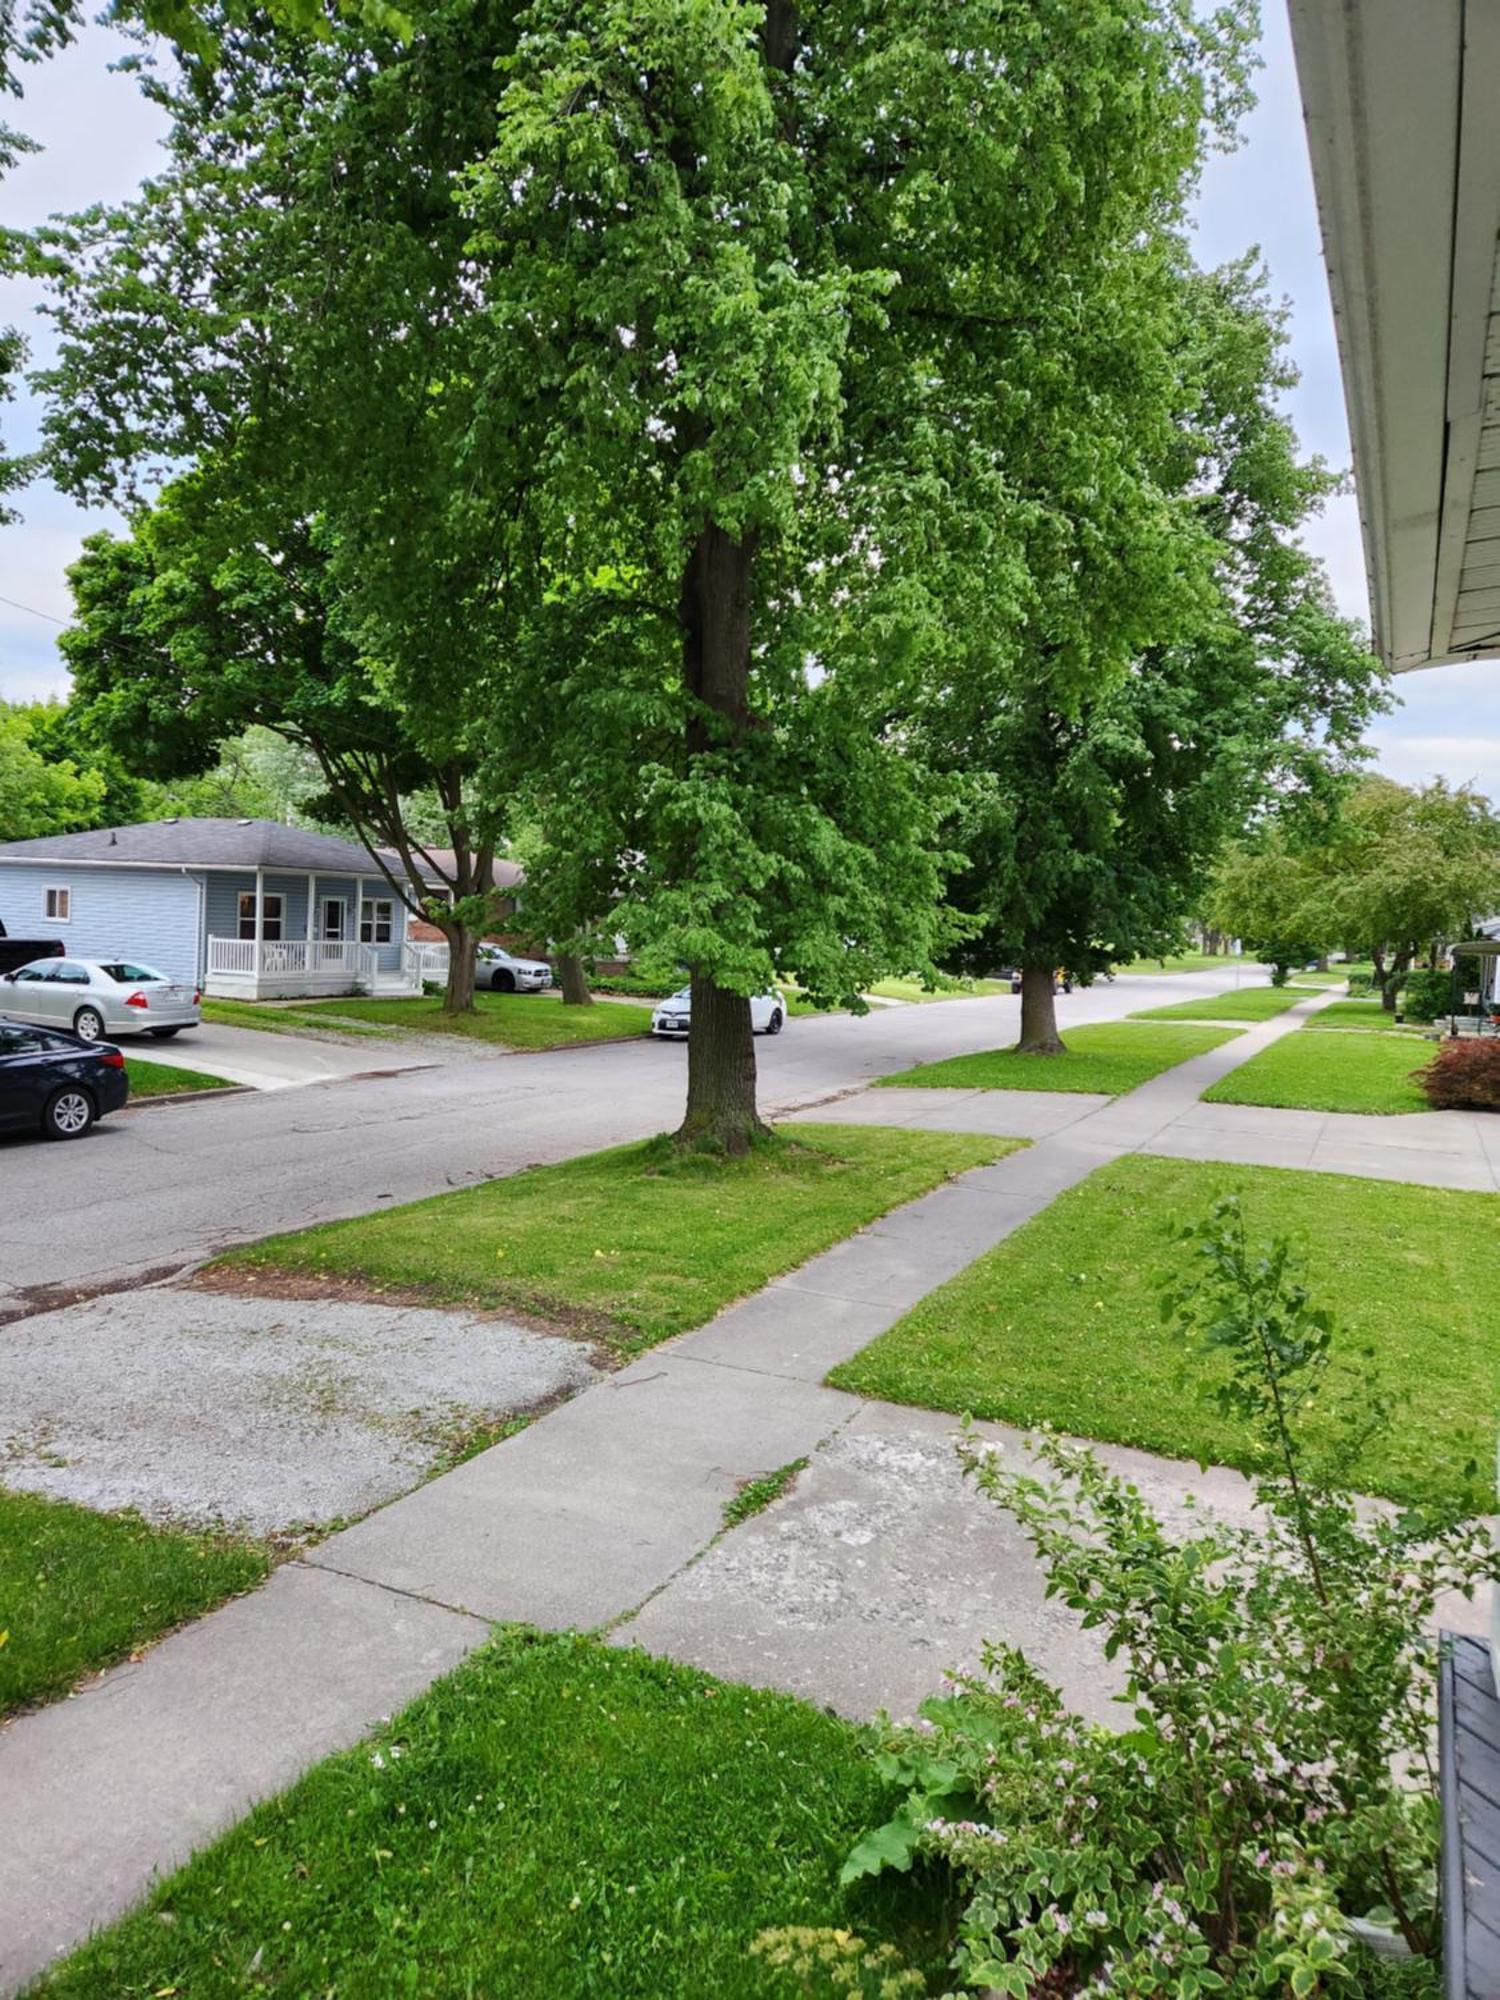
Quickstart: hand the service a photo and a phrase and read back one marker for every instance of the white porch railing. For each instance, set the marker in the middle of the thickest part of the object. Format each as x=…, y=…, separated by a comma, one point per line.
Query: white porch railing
x=287, y=965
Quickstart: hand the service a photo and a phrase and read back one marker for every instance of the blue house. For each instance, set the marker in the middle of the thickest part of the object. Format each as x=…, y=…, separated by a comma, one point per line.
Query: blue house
x=244, y=908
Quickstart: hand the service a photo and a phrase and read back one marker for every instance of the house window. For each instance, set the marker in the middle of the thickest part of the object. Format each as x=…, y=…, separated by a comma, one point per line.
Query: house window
x=58, y=905
x=271, y=917
x=376, y=921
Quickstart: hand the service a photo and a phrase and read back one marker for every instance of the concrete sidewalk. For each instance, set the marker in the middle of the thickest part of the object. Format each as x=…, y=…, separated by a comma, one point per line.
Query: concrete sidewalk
x=592, y=1515
x=277, y=1061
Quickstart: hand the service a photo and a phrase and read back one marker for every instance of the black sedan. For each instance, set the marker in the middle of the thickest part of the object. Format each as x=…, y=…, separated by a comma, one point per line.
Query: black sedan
x=56, y=1083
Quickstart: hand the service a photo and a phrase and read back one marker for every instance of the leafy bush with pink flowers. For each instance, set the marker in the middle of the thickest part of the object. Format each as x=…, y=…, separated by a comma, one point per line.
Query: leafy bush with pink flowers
x=1267, y=1811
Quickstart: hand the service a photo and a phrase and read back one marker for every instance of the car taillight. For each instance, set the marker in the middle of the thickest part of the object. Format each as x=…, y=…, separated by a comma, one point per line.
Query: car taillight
x=197, y=994
x=112, y=1059
x=137, y=1000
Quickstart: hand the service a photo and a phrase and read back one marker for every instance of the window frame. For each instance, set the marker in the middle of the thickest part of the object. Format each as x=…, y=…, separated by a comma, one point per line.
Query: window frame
x=370, y=920
x=268, y=916
x=57, y=903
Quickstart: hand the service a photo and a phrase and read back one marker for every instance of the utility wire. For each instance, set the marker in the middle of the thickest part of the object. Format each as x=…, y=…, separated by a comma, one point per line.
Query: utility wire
x=50, y=616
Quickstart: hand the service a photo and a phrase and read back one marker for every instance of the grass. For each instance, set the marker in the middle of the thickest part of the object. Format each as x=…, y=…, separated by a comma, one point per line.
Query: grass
x=1251, y=1003
x=79, y=1590
x=562, y=1818
x=755, y=1495
x=1111, y=1057
x=914, y=991
x=1185, y=961
x=1328, y=1072
x=272, y=1019
x=633, y=1244
x=1367, y=1014
x=154, y=1079
x=1335, y=975
x=508, y=1020
x=1060, y=1323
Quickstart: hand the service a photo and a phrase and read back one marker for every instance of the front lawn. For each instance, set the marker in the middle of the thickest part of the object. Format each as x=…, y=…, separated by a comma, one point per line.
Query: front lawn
x=1184, y=961
x=153, y=1079
x=1329, y=1072
x=270, y=1018
x=1111, y=1057
x=1367, y=1014
x=963, y=989
x=636, y=1243
x=1060, y=1324
x=79, y=1589
x=556, y=1817
x=507, y=1020
x=1251, y=1003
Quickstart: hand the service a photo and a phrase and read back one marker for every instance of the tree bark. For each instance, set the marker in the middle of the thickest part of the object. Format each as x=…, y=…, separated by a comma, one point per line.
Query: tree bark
x=574, y=980
x=1390, y=991
x=715, y=619
x=458, y=993
x=1039, y=1036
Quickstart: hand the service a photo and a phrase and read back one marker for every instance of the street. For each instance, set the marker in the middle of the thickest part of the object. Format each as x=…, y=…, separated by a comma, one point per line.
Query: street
x=164, y=1184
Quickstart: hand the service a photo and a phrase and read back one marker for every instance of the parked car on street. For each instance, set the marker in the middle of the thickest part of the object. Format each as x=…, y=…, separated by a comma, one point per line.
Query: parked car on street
x=95, y=998
x=16, y=951
x=56, y=1083
x=503, y=972
x=675, y=1014
x=1062, y=982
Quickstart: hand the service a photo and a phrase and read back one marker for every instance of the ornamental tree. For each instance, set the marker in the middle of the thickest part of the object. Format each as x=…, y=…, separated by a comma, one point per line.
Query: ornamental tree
x=185, y=636
x=1091, y=813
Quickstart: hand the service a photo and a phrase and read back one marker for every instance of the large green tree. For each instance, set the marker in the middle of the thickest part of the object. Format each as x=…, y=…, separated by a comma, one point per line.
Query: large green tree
x=722, y=407
x=1092, y=813
x=41, y=792
x=184, y=639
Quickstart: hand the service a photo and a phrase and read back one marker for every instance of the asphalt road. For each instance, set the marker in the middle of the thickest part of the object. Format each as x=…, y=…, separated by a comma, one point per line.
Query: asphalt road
x=159, y=1186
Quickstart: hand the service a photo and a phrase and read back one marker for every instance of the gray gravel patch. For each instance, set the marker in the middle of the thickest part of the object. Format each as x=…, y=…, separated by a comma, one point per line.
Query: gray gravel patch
x=260, y=1414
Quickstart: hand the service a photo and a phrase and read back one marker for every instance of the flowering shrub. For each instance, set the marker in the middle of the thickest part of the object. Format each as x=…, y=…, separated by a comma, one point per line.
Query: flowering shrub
x=1274, y=1779
x=1464, y=1075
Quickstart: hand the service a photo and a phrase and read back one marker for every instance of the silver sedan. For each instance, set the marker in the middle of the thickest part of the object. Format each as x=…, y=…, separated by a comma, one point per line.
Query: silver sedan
x=96, y=997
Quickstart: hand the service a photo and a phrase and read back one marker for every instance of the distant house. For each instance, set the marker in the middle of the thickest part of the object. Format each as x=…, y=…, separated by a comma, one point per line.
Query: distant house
x=506, y=879
x=244, y=908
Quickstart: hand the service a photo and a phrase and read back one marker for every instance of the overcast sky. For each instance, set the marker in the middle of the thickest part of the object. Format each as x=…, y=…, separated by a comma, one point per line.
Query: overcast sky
x=100, y=139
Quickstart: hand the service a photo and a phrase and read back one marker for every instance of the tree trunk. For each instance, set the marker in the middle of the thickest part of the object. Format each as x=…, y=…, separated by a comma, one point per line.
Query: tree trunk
x=1039, y=1036
x=715, y=619
x=1390, y=991
x=721, y=1113
x=458, y=994
x=575, y=984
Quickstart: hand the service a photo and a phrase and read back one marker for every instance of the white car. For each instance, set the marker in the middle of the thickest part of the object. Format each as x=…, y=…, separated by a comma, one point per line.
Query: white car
x=503, y=972
x=95, y=997
x=675, y=1014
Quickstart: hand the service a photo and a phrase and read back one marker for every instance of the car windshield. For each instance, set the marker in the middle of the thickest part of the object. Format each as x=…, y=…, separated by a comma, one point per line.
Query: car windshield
x=683, y=993
x=134, y=975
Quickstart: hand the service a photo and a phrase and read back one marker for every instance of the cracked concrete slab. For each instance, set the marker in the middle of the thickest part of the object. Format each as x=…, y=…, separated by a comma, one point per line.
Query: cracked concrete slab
x=259, y=1413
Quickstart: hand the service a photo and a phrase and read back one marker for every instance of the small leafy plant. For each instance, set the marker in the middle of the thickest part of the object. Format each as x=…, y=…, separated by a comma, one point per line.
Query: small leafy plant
x=1274, y=1781
x=1464, y=1075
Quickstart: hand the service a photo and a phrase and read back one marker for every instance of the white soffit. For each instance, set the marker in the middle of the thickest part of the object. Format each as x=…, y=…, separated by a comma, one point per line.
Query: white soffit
x=1402, y=101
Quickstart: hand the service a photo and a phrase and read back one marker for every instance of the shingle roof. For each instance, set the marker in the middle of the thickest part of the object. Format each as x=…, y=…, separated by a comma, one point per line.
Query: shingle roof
x=200, y=843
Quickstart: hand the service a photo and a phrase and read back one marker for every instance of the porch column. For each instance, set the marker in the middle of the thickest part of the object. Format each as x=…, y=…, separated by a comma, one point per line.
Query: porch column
x=260, y=918
x=312, y=883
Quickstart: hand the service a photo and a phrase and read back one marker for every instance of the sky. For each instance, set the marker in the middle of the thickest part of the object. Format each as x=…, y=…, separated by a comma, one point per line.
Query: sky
x=100, y=138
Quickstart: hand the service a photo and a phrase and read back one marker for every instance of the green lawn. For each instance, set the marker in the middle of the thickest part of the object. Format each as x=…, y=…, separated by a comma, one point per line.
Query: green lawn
x=154, y=1079
x=913, y=990
x=1251, y=1003
x=270, y=1019
x=1060, y=1324
x=634, y=1244
x=1329, y=1072
x=509, y=1020
x=1335, y=975
x=1368, y=1014
x=80, y=1589
x=556, y=1817
x=1111, y=1056
x=1185, y=961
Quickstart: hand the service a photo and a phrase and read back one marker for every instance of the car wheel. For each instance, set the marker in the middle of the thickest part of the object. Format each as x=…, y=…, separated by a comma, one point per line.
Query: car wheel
x=163, y=1034
x=503, y=982
x=88, y=1023
x=69, y=1113
x=773, y=1026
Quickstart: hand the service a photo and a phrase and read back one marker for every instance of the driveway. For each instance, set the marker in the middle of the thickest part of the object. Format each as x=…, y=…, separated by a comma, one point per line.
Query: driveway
x=150, y=1192
x=274, y=1061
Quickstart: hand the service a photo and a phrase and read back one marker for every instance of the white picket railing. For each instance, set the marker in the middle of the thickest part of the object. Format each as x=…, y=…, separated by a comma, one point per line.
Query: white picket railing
x=309, y=962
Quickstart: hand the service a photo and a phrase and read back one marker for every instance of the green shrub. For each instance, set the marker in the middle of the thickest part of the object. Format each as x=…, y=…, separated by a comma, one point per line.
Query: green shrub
x=1360, y=983
x=1425, y=995
x=1464, y=1075
x=1277, y=1780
